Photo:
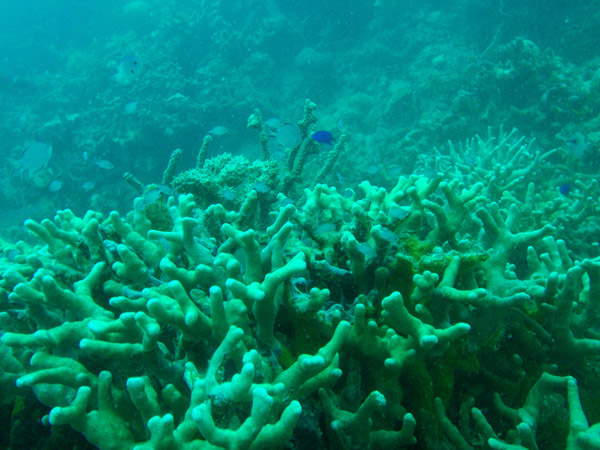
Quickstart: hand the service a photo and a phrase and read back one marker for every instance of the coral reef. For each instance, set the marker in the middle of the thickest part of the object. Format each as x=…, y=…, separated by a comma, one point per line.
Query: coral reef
x=420, y=282
x=371, y=318
x=227, y=179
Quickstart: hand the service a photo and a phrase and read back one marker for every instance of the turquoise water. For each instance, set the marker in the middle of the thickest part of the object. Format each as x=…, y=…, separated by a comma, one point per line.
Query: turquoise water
x=407, y=94
x=386, y=70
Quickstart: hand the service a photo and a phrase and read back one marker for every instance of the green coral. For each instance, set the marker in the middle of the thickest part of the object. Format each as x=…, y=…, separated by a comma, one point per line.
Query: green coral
x=417, y=248
x=228, y=325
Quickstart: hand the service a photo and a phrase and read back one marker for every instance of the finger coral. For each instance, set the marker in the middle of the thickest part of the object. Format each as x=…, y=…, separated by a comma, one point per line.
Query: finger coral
x=376, y=318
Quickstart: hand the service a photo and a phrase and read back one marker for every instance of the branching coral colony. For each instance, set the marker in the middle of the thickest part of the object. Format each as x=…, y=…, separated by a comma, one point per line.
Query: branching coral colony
x=375, y=319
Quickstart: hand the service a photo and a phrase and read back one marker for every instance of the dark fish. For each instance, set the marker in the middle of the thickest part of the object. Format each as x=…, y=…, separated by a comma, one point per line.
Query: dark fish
x=34, y=159
x=323, y=137
x=565, y=189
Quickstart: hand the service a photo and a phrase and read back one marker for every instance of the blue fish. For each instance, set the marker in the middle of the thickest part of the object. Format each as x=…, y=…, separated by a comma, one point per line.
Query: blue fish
x=323, y=137
x=565, y=189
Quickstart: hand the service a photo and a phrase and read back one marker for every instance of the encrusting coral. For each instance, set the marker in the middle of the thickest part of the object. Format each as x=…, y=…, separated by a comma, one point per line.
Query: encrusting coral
x=364, y=319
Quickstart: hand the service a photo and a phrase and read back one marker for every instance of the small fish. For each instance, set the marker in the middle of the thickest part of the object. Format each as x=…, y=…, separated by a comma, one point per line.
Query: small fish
x=129, y=64
x=564, y=189
x=156, y=193
x=470, y=160
x=228, y=195
x=300, y=284
x=393, y=170
x=367, y=250
x=176, y=96
x=577, y=145
x=105, y=164
x=150, y=197
x=372, y=169
x=430, y=173
x=219, y=130
x=34, y=158
x=323, y=137
x=388, y=235
x=288, y=135
x=138, y=204
x=130, y=108
x=110, y=246
x=325, y=228
x=276, y=154
x=166, y=190
x=546, y=95
x=261, y=187
x=273, y=124
x=399, y=213
x=88, y=185
x=283, y=134
x=127, y=70
x=11, y=254
x=341, y=178
x=55, y=186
